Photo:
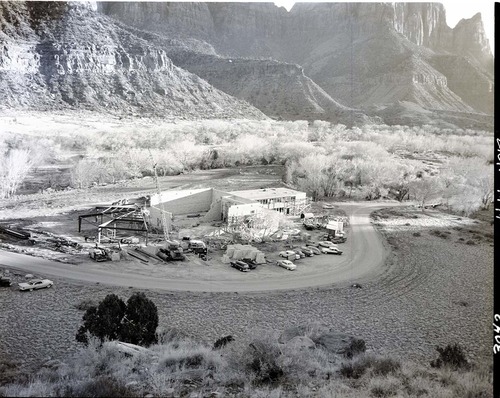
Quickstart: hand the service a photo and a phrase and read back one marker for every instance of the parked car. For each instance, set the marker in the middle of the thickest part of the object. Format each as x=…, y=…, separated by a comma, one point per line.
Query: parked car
x=300, y=253
x=314, y=249
x=35, y=284
x=331, y=250
x=289, y=253
x=5, y=281
x=325, y=243
x=338, y=239
x=307, y=251
x=294, y=231
x=286, y=264
x=240, y=265
x=251, y=263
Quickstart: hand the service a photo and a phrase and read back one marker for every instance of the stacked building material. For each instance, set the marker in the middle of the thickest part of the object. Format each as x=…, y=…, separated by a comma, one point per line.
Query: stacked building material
x=239, y=251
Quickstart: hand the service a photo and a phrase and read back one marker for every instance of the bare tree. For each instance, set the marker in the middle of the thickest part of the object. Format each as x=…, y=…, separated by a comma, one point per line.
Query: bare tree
x=84, y=173
x=14, y=167
x=425, y=189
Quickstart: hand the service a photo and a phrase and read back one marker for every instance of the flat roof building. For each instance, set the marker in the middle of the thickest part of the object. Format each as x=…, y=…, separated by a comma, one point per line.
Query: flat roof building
x=231, y=207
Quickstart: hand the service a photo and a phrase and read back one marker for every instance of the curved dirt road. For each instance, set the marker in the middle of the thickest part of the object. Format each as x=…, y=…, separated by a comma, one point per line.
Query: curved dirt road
x=364, y=255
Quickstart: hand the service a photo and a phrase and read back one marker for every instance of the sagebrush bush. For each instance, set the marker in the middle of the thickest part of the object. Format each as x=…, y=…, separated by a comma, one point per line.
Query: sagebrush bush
x=265, y=365
x=353, y=370
x=187, y=368
x=384, y=366
x=452, y=356
x=103, y=386
x=384, y=387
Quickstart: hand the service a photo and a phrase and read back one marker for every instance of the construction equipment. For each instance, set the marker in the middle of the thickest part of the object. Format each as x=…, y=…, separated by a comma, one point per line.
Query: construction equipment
x=158, y=190
x=198, y=247
x=99, y=254
x=172, y=251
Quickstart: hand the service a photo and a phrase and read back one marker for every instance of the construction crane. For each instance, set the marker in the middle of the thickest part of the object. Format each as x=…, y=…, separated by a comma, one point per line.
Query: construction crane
x=158, y=190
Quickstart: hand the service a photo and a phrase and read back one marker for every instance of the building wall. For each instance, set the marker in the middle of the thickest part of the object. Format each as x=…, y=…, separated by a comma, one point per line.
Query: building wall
x=155, y=219
x=215, y=211
x=218, y=205
x=199, y=201
x=300, y=196
x=236, y=212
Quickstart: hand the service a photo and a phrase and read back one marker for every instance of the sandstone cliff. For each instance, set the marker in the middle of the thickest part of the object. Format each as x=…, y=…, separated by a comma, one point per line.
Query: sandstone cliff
x=364, y=54
x=278, y=89
x=65, y=55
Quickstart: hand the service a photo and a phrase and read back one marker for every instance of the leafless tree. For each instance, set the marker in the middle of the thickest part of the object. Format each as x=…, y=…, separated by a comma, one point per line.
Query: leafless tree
x=14, y=167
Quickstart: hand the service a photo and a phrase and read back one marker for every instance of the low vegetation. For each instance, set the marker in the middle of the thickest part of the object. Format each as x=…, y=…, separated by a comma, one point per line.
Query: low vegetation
x=426, y=164
x=302, y=361
x=259, y=368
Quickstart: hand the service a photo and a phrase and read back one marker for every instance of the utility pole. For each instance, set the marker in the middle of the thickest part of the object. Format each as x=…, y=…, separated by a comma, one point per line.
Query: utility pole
x=158, y=190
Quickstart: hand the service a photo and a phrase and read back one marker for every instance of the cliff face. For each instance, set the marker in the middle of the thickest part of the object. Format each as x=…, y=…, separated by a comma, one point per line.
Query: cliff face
x=65, y=55
x=364, y=54
x=277, y=88
x=470, y=39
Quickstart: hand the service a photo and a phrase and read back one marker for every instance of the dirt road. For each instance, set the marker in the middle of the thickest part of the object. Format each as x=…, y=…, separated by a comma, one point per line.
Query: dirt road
x=364, y=254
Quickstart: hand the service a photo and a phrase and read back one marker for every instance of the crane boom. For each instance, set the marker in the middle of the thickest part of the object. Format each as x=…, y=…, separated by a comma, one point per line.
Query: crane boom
x=162, y=210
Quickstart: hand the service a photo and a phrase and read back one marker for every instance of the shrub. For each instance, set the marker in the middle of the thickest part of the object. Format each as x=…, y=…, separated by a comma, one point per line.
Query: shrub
x=353, y=370
x=134, y=322
x=357, y=346
x=140, y=321
x=103, y=321
x=223, y=341
x=383, y=367
x=384, y=387
x=381, y=392
x=451, y=356
x=10, y=371
x=164, y=336
x=101, y=387
x=264, y=363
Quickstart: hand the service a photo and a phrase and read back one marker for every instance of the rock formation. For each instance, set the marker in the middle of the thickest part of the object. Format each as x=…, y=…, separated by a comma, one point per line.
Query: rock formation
x=280, y=90
x=363, y=54
x=330, y=61
x=65, y=55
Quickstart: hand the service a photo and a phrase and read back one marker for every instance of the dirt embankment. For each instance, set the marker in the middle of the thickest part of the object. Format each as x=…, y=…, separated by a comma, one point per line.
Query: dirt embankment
x=434, y=290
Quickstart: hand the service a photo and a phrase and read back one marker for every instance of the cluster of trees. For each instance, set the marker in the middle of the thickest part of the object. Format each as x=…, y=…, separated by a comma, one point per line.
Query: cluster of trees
x=133, y=322
x=324, y=159
x=463, y=184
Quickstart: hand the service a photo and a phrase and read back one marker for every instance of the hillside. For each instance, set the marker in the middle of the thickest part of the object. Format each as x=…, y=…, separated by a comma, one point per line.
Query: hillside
x=58, y=56
x=362, y=55
x=280, y=90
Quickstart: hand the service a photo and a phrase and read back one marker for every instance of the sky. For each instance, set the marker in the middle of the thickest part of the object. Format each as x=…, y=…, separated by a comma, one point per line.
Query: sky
x=455, y=11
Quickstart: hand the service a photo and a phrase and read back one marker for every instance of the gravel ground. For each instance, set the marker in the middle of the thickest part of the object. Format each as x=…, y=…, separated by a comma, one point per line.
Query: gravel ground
x=435, y=290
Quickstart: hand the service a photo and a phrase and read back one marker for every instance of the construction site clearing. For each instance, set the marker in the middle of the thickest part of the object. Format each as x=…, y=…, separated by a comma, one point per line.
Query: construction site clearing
x=125, y=236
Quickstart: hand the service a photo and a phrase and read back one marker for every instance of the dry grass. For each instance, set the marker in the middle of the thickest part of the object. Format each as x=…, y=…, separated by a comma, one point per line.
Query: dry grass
x=261, y=368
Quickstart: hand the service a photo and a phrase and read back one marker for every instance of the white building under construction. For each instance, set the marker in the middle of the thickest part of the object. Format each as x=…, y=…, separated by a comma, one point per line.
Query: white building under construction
x=230, y=207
